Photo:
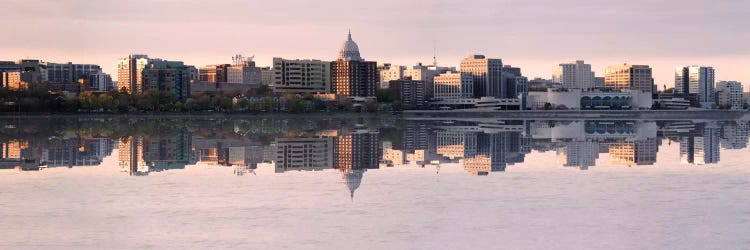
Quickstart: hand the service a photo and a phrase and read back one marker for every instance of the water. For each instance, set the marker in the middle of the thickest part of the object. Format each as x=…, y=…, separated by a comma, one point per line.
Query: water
x=373, y=183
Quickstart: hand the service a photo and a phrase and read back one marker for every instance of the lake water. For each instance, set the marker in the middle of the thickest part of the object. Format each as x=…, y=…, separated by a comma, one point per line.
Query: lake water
x=373, y=183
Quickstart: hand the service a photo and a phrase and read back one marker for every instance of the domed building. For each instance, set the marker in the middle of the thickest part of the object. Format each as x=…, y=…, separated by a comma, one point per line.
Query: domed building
x=350, y=50
x=352, y=76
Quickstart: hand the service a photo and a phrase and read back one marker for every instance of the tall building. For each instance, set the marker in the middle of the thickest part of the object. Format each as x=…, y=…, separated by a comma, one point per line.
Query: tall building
x=389, y=73
x=358, y=149
x=167, y=76
x=487, y=76
x=130, y=73
x=730, y=95
x=574, y=75
x=453, y=85
x=515, y=83
x=301, y=76
x=424, y=73
x=12, y=80
x=629, y=77
x=411, y=93
x=351, y=75
x=698, y=81
x=90, y=76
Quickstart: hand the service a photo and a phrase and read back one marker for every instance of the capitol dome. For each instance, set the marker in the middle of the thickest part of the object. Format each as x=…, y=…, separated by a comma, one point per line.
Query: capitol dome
x=349, y=50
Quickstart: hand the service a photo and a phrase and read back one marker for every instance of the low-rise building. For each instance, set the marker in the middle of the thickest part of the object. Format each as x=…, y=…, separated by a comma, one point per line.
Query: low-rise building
x=577, y=99
x=729, y=95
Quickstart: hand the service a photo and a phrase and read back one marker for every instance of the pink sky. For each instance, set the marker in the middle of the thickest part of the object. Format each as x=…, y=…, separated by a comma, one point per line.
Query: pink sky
x=535, y=35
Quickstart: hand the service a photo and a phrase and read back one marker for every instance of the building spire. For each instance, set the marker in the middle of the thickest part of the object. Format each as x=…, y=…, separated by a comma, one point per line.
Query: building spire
x=434, y=53
x=349, y=35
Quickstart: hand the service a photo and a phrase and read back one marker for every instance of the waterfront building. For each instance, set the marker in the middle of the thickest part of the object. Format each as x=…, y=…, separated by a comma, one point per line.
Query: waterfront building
x=631, y=153
x=629, y=77
x=424, y=73
x=453, y=85
x=243, y=71
x=266, y=76
x=411, y=93
x=487, y=76
x=578, y=99
x=359, y=149
x=167, y=76
x=12, y=80
x=351, y=75
x=301, y=76
x=574, y=75
x=130, y=73
x=515, y=83
x=389, y=73
x=213, y=73
x=730, y=95
x=698, y=81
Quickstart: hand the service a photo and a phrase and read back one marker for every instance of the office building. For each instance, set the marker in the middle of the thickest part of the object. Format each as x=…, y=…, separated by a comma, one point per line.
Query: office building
x=453, y=85
x=515, y=83
x=301, y=76
x=629, y=77
x=243, y=71
x=487, y=76
x=574, y=75
x=389, y=73
x=214, y=73
x=696, y=81
x=729, y=95
x=351, y=75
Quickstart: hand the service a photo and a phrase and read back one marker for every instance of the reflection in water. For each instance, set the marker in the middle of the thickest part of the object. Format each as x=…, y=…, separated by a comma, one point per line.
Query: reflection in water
x=352, y=148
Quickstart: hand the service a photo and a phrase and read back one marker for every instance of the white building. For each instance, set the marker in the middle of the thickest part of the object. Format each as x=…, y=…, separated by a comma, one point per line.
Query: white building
x=696, y=80
x=243, y=71
x=574, y=75
x=301, y=76
x=389, y=73
x=578, y=99
x=729, y=95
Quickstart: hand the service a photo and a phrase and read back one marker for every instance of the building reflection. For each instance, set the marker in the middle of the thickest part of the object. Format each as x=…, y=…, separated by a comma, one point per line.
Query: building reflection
x=351, y=149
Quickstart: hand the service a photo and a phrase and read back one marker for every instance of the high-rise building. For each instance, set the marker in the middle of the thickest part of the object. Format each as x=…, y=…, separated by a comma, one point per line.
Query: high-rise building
x=424, y=73
x=629, y=77
x=12, y=80
x=301, y=76
x=167, y=76
x=358, y=149
x=453, y=85
x=389, y=73
x=130, y=73
x=515, y=83
x=411, y=93
x=729, y=95
x=696, y=81
x=351, y=75
x=487, y=76
x=574, y=75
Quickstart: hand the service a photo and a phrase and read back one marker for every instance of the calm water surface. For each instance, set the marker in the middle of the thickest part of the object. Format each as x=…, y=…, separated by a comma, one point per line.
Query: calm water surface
x=369, y=183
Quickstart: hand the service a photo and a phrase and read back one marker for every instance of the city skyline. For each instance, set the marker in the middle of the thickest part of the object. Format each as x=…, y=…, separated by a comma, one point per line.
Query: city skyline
x=531, y=36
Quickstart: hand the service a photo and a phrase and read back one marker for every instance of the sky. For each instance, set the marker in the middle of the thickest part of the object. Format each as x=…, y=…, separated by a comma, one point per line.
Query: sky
x=535, y=35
